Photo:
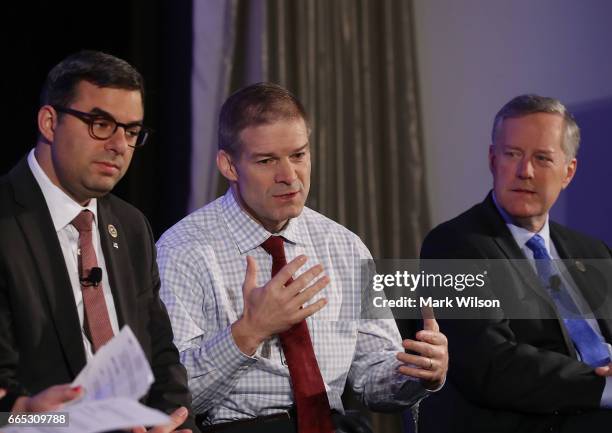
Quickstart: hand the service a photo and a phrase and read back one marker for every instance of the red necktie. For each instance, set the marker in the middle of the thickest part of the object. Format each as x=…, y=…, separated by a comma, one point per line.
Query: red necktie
x=96, y=313
x=313, y=411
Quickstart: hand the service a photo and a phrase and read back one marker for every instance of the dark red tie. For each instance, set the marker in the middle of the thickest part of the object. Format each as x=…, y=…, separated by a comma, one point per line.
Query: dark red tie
x=313, y=411
x=96, y=313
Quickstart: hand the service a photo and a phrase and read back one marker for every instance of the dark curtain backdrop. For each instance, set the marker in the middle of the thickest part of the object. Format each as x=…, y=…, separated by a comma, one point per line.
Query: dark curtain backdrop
x=352, y=64
x=350, y=61
x=155, y=37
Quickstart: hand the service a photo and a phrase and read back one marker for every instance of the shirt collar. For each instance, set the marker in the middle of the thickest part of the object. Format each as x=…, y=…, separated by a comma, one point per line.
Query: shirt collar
x=521, y=235
x=247, y=233
x=62, y=207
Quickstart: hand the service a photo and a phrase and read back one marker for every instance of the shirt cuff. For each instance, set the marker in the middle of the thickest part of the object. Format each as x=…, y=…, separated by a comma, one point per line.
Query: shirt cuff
x=224, y=349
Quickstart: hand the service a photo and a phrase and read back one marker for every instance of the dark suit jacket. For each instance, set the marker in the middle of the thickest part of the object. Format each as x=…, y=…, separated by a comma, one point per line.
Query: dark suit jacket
x=40, y=334
x=511, y=374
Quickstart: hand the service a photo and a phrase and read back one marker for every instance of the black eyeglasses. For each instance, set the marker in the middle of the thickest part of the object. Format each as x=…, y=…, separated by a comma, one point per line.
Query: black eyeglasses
x=102, y=127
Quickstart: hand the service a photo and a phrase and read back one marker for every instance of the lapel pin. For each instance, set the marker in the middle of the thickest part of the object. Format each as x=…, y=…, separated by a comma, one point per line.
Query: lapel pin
x=112, y=230
x=580, y=266
x=115, y=245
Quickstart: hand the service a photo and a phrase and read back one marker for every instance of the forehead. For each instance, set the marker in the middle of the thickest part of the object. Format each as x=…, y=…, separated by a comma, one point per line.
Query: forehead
x=280, y=137
x=125, y=105
x=533, y=130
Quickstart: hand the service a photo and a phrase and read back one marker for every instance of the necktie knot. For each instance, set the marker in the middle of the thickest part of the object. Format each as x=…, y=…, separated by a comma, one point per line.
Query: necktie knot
x=538, y=246
x=82, y=222
x=274, y=246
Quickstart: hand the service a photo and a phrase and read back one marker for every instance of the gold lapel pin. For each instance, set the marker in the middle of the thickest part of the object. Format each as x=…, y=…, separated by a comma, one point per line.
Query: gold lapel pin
x=580, y=266
x=112, y=230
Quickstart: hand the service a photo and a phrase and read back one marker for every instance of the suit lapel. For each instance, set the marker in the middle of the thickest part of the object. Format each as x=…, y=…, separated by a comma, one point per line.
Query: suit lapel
x=505, y=241
x=116, y=256
x=39, y=232
x=585, y=276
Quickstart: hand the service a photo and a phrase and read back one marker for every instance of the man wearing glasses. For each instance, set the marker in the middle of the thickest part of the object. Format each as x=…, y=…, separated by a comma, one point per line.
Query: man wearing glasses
x=76, y=263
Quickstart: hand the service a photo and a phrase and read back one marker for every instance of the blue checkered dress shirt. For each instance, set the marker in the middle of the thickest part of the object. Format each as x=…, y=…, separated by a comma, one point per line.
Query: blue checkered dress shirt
x=202, y=262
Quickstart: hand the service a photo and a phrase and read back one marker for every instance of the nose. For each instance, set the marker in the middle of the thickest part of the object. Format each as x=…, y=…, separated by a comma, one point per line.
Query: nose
x=118, y=142
x=285, y=172
x=525, y=168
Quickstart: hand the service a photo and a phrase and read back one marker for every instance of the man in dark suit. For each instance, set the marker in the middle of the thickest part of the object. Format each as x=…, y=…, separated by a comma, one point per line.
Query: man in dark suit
x=533, y=373
x=77, y=263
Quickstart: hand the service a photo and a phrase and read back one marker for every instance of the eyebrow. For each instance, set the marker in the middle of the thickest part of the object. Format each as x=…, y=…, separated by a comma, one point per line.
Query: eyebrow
x=96, y=111
x=272, y=154
x=506, y=146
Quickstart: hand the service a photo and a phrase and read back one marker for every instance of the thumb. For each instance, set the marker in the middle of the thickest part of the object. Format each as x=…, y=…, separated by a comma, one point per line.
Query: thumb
x=177, y=418
x=250, y=277
x=430, y=325
x=51, y=398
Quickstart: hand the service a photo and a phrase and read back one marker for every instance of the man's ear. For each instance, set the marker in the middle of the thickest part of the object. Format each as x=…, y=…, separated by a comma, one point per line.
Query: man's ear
x=226, y=166
x=492, y=158
x=570, y=172
x=47, y=121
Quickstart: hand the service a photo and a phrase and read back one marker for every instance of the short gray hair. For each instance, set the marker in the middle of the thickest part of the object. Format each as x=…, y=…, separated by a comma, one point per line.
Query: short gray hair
x=529, y=104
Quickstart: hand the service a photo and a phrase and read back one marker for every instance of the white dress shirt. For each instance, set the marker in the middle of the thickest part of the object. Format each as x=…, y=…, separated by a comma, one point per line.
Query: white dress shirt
x=202, y=263
x=63, y=210
x=521, y=236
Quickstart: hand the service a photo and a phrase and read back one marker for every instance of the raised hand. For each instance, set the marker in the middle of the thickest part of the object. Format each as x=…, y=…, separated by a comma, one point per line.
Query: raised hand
x=429, y=360
x=274, y=307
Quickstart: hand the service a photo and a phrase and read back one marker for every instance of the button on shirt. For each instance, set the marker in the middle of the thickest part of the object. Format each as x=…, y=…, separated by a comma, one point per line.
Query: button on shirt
x=63, y=210
x=202, y=262
x=521, y=236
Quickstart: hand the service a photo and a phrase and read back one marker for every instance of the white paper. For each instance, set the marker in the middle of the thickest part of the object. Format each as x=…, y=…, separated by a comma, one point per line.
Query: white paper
x=100, y=416
x=113, y=380
x=118, y=369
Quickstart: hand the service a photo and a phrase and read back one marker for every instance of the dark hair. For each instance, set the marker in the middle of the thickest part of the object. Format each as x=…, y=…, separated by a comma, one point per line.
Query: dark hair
x=101, y=69
x=529, y=104
x=257, y=104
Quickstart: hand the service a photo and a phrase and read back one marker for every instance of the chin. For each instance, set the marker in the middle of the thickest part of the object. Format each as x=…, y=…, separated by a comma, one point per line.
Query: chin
x=523, y=212
x=292, y=212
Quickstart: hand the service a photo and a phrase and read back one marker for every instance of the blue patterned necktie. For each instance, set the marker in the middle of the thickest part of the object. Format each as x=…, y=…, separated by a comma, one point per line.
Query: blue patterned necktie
x=590, y=344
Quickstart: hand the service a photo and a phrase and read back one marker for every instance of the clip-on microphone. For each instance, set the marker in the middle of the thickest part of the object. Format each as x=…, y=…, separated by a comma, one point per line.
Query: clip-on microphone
x=93, y=279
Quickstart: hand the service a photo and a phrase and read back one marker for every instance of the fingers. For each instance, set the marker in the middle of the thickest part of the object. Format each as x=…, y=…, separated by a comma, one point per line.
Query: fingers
x=419, y=373
x=309, y=310
x=2, y=392
x=306, y=295
x=65, y=393
x=177, y=418
x=432, y=337
x=606, y=370
x=420, y=347
x=431, y=325
x=288, y=270
x=304, y=279
x=427, y=313
x=53, y=398
x=250, y=277
x=415, y=360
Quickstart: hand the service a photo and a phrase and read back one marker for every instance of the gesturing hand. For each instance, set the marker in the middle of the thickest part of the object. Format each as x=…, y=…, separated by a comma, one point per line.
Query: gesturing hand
x=606, y=370
x=177, y=418
x=274, y=307
x=430, y=363
x=51, y=398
